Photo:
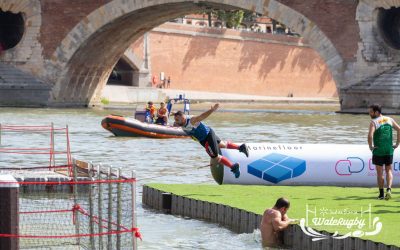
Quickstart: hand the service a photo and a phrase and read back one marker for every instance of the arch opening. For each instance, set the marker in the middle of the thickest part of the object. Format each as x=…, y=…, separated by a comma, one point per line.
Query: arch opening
x=12, y=29
x=389, y=26
x=83, y=77
x=123, y=74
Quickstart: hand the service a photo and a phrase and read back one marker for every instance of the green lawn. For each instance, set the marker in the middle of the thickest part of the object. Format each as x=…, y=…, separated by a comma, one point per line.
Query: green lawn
x=324, y=199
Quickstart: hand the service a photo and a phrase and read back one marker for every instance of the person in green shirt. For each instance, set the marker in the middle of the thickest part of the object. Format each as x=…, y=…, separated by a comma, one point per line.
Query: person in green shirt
x=380, y=141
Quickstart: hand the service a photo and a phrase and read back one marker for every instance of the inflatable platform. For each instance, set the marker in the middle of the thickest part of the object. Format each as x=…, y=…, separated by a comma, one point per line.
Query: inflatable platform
x=303, y=164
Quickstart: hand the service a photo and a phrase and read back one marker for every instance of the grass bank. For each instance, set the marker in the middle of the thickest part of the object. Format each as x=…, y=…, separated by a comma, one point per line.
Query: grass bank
x=327, y=202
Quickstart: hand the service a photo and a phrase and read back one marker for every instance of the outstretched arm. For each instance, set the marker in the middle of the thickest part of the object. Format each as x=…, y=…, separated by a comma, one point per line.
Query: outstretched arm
x=199, y=118
x=370, y=135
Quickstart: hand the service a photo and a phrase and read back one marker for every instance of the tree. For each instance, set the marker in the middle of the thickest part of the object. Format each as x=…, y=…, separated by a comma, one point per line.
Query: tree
x=231, y=18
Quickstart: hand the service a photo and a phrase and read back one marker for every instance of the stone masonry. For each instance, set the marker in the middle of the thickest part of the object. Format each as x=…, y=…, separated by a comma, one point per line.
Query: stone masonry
x=73, y=45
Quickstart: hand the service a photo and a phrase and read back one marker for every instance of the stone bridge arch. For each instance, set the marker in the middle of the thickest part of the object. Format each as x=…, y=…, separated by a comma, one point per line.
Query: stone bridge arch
x=374, y=77
x=89, y=52
x=29, y=46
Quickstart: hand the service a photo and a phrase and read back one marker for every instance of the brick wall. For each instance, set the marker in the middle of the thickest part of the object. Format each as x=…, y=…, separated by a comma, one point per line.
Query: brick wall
x=239, y=62
x=60, y=16
x=336, y=18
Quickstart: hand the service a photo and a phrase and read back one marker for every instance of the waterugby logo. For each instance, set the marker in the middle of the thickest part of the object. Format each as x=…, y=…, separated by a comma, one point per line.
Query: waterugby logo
x=355, y=223
x=276, y=167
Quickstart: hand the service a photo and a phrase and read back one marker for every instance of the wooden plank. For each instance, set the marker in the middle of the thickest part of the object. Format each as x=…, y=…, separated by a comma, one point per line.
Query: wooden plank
x=298, y=237
x=370, y=245
x=359, y=243
x=288, y=236
x=150, y=202
x=174, y=205
x=193, y=208
x=244, y=219
x=348, y=243
x=382, y=246
x=155, y=198
x=200, y=209
x=221, y=214
x=207, y=211
x=251, y=224
x=180, y=206
x=258, y=220
x=306, y=241
x=144, y=194
x=214, y=212
x=160, y=200
x=236, y=220
x=228, y=220
x=337, y=244
x=81, y=164
x=186, y=207
x=316, y=245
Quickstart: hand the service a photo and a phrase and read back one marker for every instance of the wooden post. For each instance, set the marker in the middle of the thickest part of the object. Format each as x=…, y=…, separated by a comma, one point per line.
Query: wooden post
x=119, y=208
x=91, y=208
x=133, y=198
x=9, y=209
x=76, y=213
x=100, y=207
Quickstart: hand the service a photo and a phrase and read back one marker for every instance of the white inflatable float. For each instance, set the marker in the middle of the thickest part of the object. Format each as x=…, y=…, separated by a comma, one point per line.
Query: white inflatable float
x=303, y=164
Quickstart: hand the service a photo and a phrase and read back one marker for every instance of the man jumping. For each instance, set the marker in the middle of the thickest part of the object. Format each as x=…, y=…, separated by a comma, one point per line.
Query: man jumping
x=193, y=127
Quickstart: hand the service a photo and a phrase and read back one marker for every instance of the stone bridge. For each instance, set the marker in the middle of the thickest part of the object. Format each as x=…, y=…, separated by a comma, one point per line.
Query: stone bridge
x=73, y=45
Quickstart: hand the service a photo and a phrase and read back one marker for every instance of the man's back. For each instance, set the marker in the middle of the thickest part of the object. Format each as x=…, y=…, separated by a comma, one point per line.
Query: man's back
x=269, y=236
x=383, y=136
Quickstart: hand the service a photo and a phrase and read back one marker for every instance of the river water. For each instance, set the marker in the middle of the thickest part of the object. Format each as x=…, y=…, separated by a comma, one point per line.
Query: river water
x=178, y=160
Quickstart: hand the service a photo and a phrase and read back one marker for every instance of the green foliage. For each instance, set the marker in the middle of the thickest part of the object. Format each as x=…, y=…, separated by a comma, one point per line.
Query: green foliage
x=231, y=18
x=257, y=198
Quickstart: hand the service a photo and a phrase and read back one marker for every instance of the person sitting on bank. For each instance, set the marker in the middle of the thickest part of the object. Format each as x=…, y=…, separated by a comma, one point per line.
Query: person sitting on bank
x=162, y=115
x=273, y=222
x=150, y=112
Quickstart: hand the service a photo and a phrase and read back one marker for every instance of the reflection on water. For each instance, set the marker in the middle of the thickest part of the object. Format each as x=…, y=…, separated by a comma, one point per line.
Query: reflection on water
x=178, y=160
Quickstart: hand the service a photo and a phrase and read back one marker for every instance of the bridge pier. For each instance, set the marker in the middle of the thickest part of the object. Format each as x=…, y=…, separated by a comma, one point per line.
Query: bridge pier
x=383, y=89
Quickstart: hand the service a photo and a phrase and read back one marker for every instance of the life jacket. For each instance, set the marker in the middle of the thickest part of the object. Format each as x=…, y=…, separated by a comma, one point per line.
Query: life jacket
x=151, y=110
x=161, y=112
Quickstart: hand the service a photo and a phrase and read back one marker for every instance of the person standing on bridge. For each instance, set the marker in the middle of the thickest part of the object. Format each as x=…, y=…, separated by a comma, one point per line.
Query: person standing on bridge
x=193, y=126
x=380, y=141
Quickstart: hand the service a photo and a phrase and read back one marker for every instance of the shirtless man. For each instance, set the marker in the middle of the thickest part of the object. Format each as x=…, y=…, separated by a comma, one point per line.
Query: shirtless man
x=273, y=222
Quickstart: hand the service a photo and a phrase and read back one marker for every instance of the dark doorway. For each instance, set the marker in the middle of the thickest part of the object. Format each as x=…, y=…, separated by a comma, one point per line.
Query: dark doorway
x=11, y=29
x=389, y=26
x=123, y=74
